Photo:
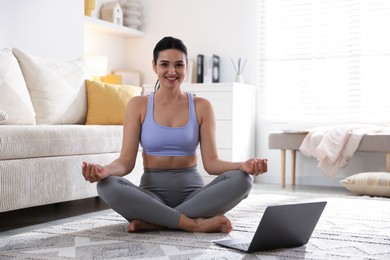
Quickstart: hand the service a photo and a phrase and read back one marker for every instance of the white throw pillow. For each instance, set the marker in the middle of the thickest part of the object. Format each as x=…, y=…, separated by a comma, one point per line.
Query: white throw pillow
x=3, y=116
x=57, y=88
x=369, y=183
x=14, y=97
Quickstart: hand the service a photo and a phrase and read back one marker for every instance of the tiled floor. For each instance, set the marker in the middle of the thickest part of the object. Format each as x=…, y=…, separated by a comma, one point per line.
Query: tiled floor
x=24, y=220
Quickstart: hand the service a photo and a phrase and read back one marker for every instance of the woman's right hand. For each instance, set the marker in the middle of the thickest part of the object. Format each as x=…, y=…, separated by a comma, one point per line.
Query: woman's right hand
x=94, y=172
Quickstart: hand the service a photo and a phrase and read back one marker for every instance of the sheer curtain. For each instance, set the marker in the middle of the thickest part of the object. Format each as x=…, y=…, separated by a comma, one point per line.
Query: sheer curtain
x=325, y=61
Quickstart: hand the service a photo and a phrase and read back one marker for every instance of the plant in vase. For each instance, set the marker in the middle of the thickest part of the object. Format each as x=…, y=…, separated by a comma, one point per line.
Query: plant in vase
x=239, y=70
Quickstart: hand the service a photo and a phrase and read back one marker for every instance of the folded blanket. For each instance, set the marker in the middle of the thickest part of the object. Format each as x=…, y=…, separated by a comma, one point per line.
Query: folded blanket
x=334, y=146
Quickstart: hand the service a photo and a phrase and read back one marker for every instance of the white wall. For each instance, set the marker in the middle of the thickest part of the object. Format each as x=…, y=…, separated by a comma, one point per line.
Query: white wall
x=228, y=28
x=47, y=28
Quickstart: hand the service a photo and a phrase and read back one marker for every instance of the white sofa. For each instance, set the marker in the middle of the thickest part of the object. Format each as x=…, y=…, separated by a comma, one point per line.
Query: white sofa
x=44, y=107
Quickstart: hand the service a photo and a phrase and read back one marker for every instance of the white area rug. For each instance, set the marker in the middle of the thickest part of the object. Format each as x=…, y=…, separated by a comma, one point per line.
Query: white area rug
x=350, y=228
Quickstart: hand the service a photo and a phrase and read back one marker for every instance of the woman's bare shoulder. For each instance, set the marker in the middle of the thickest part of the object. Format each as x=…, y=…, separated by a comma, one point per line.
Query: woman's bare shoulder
x=140, y=98
x=202, y=102
x=137, y=104
x=203, y=106
x=136, y=107
x=138, y=101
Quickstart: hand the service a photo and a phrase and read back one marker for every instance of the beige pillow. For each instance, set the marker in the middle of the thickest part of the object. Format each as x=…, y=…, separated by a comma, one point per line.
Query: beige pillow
x=369, y=183
x=57, y=88
x=14, y=97
x=107, y=102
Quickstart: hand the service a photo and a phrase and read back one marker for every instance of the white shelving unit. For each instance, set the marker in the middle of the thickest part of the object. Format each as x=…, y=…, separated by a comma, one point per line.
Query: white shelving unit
x=91, y=23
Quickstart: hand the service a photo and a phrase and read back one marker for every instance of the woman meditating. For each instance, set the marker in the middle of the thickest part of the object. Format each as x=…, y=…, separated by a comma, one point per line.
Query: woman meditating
x=170, y=124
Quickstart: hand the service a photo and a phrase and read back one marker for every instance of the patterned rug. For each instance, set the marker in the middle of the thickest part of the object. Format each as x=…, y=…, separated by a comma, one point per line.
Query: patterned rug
x=350, y=228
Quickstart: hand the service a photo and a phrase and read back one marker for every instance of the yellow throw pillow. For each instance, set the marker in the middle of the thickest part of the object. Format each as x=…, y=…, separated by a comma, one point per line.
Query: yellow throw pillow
x=107, y=102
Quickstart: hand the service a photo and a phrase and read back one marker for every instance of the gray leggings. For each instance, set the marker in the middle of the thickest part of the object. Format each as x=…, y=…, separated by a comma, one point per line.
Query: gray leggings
x=163, y=195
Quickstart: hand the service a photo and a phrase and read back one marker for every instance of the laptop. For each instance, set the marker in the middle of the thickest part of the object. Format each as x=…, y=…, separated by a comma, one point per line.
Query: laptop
x=281, y=226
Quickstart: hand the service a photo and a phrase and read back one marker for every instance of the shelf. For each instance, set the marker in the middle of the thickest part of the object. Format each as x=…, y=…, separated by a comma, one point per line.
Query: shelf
x=107, y=27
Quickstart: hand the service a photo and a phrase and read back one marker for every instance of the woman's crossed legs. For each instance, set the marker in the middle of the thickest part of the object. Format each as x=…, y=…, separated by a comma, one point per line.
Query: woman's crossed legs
x=201, y=211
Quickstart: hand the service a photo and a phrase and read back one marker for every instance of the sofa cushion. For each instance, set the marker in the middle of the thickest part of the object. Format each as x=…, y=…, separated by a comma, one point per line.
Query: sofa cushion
x=14, y=98
x=17, y=142
x=3, y=116
x=57, y=88
x=107, y=102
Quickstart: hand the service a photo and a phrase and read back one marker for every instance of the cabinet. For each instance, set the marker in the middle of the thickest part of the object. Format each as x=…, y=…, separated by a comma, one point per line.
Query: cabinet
x=234, y=108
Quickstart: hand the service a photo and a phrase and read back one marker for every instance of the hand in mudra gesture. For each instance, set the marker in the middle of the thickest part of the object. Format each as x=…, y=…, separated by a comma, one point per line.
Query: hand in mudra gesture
x=255, y=166
x=94, y=172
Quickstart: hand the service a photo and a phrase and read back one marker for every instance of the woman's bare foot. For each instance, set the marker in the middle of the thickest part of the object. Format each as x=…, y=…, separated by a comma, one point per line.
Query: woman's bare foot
x=206, y=225
x=139, y=225
x=217, y=224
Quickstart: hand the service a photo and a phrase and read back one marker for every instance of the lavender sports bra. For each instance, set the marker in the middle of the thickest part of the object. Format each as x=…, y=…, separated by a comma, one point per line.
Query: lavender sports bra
x=162, y=140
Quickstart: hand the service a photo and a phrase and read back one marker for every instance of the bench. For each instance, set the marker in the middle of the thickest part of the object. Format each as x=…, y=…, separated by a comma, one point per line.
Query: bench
x=376, y=142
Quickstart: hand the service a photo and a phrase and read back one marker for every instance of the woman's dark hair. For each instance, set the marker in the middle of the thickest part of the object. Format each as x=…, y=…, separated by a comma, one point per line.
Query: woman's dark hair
x=167, y=43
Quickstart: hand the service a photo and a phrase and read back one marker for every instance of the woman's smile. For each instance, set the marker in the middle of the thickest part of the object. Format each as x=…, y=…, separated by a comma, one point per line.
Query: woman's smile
x=171, y=66
x=172, y=78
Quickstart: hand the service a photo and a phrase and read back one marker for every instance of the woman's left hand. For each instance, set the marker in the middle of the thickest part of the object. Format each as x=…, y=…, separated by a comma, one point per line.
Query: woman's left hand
x=255, y=166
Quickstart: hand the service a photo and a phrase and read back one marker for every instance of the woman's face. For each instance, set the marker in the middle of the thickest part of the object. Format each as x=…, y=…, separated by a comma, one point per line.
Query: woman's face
x=171, y=67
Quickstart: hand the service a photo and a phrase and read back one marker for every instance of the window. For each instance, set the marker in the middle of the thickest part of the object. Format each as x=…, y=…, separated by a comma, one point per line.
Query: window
x=325, y=61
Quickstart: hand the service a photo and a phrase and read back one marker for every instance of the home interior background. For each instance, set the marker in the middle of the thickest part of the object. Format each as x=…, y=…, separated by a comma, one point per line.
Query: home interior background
x=59, y=49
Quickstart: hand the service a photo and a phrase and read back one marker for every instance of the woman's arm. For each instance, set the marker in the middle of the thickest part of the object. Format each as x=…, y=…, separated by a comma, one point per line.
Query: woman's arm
x=127, y=158
x=211, y=162
x=131, y=135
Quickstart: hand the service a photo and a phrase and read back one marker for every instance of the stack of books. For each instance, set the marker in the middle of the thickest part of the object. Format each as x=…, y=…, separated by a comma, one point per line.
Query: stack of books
x=207, y=69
